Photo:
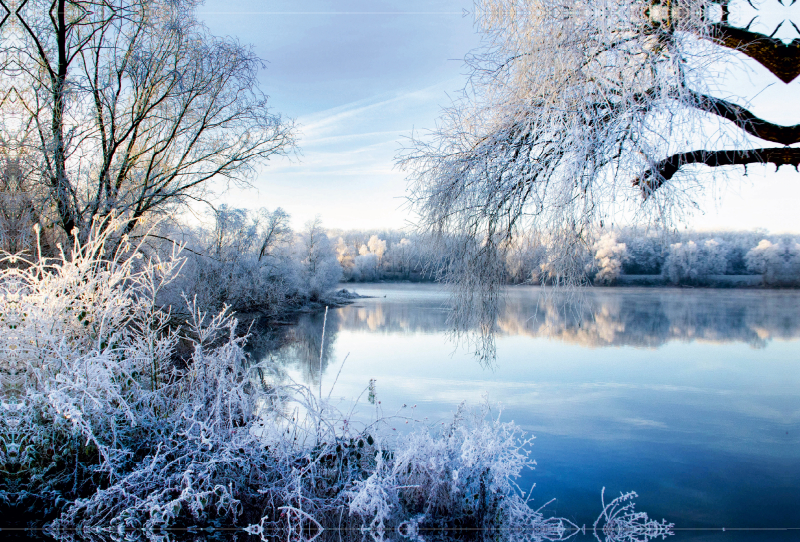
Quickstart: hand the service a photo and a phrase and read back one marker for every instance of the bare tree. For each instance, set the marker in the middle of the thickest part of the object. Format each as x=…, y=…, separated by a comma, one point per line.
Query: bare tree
x=135, y=107
x=275, y=230
x=320, y=267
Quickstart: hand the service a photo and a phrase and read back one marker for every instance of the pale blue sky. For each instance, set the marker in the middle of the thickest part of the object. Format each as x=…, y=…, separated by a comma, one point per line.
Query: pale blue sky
x=360, y=75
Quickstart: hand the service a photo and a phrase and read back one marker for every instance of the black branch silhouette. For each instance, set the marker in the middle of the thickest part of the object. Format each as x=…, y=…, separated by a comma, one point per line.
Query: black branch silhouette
x=746, y=120
x=783, y=60
x=662, y=171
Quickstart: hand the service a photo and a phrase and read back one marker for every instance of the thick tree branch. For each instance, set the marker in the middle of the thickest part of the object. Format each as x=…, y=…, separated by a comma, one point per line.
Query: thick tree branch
x=781, y=59
x=747, y=121
x=661, y=172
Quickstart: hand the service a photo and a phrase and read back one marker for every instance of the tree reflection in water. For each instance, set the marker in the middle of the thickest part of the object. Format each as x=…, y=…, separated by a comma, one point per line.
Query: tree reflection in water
x=597, y=317
x=635, y=404
x=299, y=345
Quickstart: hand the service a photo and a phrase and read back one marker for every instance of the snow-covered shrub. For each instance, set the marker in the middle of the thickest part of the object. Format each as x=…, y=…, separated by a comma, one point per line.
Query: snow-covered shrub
x=243, y=260
x=463, y=474
x=320, y=268
x=111, y=417
x=116, y=426
x=691, y=262
x=366, y=267
x=609, y=256
x=779, y=262
x=252, y=262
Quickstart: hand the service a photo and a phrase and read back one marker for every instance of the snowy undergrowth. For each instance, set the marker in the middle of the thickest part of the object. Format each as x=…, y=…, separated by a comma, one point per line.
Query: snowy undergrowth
x=112, y=419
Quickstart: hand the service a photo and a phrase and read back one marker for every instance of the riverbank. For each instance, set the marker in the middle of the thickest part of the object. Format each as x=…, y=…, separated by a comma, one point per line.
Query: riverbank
x=703, y=281
x=708, y=281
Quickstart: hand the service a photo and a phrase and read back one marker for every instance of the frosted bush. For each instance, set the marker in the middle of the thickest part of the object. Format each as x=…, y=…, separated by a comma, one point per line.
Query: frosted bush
x=609, y=256
x=619, y=522
x=115, y=424
x=779, y=262
x=463, y=474
x=692, y=262
x=243, y=259
x=111, y=417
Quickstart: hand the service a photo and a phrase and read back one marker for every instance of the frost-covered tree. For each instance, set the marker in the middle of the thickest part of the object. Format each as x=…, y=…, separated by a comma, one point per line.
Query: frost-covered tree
x=779, y=263
x=403, y=253
x=645, y=252
x=690, y=261
x=609, y=255
x=275, y=231
x=377, y=246
x=240, y=258
x=577, y=111
x=365, y=267
x=320, y=267
x=129, y=107
x=346, y=258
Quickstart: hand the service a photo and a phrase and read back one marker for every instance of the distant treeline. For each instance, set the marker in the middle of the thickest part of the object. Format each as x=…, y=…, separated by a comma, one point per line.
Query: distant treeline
x=252, y=261
x=370, y=255
x=622, y=256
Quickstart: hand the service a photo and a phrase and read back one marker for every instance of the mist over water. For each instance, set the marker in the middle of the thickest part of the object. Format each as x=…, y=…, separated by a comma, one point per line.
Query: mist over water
x=690, y=397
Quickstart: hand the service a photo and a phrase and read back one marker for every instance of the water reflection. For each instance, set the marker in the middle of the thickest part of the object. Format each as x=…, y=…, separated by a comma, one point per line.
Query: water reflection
x=298, y=346
x=688, y=396
x=603, y=317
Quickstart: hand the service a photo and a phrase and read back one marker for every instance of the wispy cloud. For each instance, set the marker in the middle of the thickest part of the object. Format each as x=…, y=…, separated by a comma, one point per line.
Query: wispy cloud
x=344, y=141
x=347, y=153
x=399, y=110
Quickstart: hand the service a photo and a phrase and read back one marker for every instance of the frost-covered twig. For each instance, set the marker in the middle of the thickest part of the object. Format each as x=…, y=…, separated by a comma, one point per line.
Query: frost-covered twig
x=619, y=522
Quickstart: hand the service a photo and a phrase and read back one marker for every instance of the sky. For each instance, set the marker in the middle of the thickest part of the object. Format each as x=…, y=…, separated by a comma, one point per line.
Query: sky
x=359, y=76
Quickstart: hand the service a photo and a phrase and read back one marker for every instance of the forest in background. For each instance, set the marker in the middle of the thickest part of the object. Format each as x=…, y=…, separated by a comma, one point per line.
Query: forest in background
x=254, y=262
x=609, y=258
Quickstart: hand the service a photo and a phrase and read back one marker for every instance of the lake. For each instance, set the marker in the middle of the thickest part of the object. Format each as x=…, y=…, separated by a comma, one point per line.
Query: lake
x=690, y=397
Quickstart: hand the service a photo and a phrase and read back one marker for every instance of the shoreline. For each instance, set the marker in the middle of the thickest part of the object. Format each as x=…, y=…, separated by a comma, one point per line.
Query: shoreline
x=714, y=282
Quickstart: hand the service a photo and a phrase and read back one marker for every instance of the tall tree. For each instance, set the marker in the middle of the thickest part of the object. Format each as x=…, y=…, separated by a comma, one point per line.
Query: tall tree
x=577, y=109
x=134, y=106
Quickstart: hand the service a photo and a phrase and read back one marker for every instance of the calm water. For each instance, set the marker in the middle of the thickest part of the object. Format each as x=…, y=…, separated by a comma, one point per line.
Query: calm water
x=689, y=397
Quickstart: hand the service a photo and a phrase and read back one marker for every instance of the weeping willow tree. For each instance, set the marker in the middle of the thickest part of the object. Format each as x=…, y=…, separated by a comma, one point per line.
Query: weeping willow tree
x=576, y=111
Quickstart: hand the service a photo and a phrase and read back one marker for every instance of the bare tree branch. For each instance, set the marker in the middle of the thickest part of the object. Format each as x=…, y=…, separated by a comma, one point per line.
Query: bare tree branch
x=664, y=170
x=783, y=60
x=747, y=121
x=138, y=108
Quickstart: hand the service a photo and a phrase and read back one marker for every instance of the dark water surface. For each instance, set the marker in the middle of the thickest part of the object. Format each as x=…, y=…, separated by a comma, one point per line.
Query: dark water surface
x=689, y=397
